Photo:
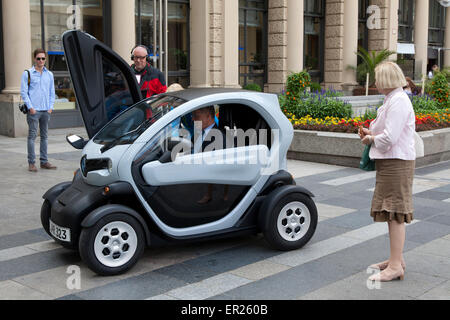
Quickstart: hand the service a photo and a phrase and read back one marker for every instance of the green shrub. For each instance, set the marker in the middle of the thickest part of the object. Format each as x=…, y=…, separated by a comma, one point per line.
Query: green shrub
x=446, y=73
x=319, y=106
x=440, y=90
x=370, y=113
x=333, y=93
x=297, y=83
x=315, y=87
x=424, y=104
x=253, y=87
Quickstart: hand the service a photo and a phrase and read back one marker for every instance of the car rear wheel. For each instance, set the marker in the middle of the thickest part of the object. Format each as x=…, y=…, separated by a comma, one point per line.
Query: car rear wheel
x=113, y=245
x=292, y=222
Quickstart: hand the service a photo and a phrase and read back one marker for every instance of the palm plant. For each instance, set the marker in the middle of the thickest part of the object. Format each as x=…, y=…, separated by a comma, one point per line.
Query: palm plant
x=369, y=61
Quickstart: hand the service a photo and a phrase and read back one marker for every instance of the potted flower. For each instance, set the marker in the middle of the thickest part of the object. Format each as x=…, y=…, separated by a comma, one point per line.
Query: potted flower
x=369, y=61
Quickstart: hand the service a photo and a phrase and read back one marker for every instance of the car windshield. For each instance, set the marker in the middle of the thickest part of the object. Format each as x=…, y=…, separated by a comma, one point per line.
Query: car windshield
x=130, y=124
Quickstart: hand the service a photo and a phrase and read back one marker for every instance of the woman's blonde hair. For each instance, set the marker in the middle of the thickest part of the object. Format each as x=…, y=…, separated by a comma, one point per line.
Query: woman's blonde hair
x=388, y=75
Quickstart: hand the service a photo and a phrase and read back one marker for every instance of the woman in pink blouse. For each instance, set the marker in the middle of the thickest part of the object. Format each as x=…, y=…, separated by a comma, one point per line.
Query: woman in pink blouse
x=391, y=136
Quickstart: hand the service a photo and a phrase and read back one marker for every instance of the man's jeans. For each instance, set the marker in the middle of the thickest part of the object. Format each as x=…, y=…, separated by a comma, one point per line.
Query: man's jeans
x=40, y=118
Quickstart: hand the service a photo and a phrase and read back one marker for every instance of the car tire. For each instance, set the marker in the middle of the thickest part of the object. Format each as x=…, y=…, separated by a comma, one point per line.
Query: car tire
x=112, y=245
x=292, y=222
x=46, y=210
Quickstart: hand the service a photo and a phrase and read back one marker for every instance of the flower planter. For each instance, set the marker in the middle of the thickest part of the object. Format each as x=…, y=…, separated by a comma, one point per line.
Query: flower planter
x=361, y=91
x=345, y=149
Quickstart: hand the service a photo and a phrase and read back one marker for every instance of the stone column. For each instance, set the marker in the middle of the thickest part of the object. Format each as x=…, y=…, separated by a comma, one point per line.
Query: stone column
x=385, y=15
x=421, y=38
x=447, y=38
x=217, y=33
x=199, y=31
x=334, y=44
x=277, y=46
x=393, y=27
x=17, y=58
x=295, y=32
x=123, y=27
x=230, y=55
x=350, y=43
x=16, y=42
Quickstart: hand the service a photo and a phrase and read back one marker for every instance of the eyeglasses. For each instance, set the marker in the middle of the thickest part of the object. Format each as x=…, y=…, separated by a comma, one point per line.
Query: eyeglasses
x=43, y=59
x=139, y=58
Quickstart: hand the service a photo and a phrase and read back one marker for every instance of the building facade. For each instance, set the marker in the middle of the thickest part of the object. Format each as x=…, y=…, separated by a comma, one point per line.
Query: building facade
x=220, y=43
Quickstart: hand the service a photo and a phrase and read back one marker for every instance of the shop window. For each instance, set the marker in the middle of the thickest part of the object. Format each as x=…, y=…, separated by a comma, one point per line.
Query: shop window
x=314, y=22
x=253, y=42
x=363, y=31
x=406, y=21
x=49, y=20
x=405, y=35
x=178, y=21
x=436, y=34
x=436, y=24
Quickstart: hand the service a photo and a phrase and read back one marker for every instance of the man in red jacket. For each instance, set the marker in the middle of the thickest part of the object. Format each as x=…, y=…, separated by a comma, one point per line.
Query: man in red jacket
x=150, y=79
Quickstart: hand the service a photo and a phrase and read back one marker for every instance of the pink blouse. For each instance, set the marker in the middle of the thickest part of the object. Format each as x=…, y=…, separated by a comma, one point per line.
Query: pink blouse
x=393, y=129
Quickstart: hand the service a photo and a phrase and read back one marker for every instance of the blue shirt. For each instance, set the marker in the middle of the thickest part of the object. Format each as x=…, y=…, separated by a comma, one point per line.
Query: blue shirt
x=41, y=94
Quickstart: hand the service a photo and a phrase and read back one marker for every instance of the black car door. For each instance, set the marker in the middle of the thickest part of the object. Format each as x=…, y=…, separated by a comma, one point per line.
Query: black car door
x=103, y=82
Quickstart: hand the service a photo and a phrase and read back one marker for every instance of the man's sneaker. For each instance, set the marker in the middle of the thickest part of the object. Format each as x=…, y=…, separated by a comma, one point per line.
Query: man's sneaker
x=32, y=168
x=47, y=165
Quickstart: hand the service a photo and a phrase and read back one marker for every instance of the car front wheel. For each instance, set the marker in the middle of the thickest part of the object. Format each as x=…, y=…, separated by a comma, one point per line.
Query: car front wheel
x=292, y=222
x=113, y=245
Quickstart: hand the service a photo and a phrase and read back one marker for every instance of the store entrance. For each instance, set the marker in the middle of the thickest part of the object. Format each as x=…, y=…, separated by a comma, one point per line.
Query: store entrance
x=163, y=26
x=49, y=20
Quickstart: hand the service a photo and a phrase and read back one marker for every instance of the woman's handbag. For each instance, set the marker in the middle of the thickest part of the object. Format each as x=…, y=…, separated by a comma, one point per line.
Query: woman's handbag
x=366, y=163
x=418, y=142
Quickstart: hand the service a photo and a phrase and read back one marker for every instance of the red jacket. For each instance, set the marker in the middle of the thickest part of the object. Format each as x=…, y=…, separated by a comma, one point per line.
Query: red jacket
x=152, y=81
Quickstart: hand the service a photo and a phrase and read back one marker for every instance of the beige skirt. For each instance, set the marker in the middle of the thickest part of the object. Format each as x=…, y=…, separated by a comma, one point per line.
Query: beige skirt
x=392, y=198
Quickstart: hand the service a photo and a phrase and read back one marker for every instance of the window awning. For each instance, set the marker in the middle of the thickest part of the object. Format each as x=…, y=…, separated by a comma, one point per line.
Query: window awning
x=406, y=48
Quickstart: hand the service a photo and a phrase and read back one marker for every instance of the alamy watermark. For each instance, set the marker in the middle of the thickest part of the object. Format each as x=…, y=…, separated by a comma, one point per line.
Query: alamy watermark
x=73, y=282
x=374, y=18
x=373, y=284
x=231, y=147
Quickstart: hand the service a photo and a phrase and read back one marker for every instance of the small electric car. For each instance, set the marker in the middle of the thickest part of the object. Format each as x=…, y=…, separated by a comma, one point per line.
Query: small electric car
x=141, y=183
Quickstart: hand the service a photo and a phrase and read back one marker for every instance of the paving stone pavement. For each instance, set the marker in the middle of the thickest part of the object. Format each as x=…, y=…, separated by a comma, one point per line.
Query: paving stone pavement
x=333, y=265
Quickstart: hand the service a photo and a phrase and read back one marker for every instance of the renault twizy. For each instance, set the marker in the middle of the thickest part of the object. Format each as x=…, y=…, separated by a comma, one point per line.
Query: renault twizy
x=140, y=184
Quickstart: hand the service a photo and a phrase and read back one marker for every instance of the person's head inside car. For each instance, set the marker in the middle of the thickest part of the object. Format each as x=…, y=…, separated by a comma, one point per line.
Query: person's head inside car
x=140, y=58
x=205, y=116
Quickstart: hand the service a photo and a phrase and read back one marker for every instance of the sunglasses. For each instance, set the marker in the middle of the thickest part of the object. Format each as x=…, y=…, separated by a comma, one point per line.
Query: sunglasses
x=43, y=59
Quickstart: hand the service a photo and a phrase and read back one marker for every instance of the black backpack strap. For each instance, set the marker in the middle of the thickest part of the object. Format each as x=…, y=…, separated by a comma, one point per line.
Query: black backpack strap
x=29, y=77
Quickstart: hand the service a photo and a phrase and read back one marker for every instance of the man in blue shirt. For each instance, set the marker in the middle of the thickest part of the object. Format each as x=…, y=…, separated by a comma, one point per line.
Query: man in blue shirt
x=39, y=97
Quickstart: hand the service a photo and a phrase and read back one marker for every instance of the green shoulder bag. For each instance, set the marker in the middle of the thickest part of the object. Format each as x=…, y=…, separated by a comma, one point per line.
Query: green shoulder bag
x=366, y=163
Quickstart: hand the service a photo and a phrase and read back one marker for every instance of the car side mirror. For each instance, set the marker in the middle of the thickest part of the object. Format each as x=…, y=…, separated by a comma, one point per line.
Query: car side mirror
x=76, y=141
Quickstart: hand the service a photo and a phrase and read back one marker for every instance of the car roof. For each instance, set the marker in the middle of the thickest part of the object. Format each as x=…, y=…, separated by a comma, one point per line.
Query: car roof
x=191, y=94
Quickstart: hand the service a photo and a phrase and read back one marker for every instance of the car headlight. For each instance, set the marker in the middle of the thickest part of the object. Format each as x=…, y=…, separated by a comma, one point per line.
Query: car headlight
x=88, y=165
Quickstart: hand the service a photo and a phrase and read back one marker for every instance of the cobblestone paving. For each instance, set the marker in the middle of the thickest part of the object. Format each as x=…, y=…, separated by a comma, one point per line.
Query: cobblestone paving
x=333, y=265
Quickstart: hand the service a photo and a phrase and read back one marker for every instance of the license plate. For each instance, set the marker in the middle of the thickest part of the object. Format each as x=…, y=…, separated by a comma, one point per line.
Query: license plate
x=60, y=233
